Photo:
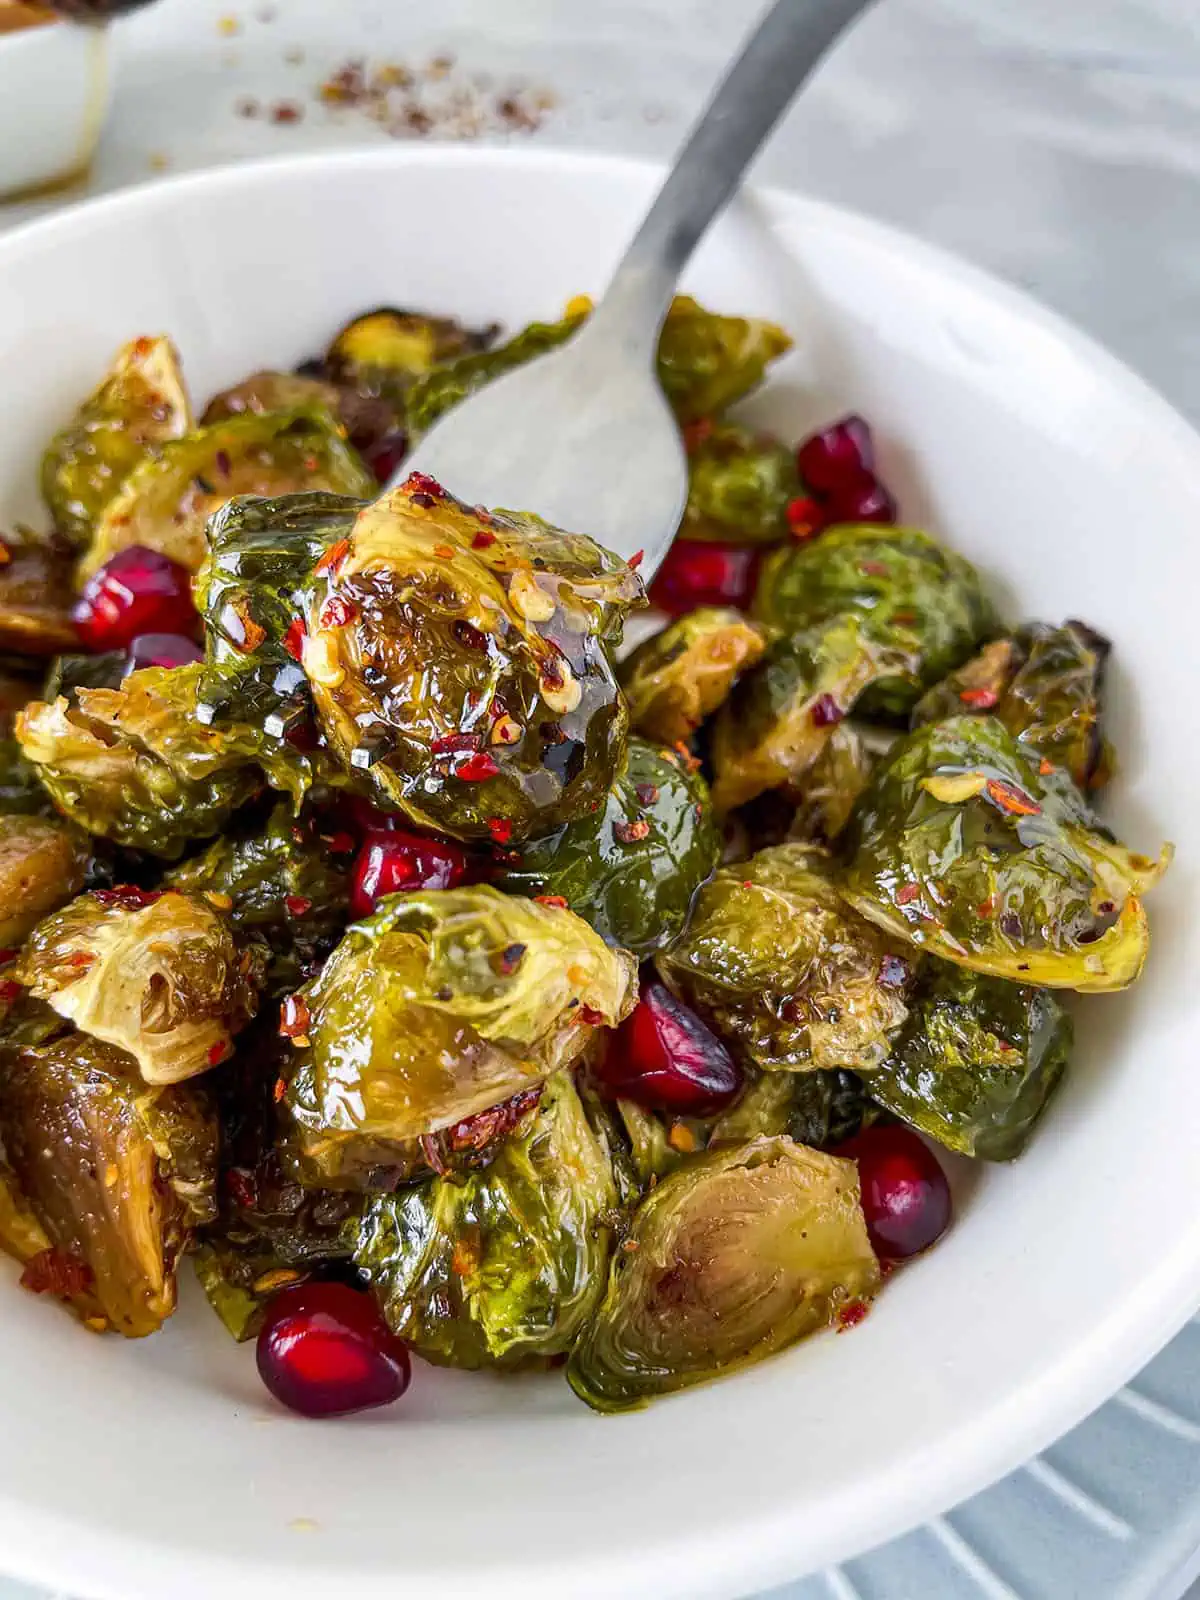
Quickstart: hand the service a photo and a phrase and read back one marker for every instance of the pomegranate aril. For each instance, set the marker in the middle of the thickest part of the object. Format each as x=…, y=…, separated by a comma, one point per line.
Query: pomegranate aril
x=905, y=1195
x=837, y=456
x=665, y=1058
x=162, y=650
x=860, y=502
x=385, y=455
x=702, y=573
x=390, y=862
x=325, y=1349
x=139, y=591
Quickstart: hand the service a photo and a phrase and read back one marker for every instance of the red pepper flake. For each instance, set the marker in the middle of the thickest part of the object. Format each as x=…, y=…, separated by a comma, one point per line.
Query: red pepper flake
x=501, y=829
x=686, y=760
x=873, y=569
x=1045, y=767
x=253, y=633
x=477, y=768
x=636, y=560
x=979, y=699
x=907, y=893
x=241, y=1185
x=851, y=1314
x=57, y=1272
x=218, y=1052
x=987, y=908
x=421, y=482
x=455, y=743
x=9, y=990
x=630, y=832
x=294, y=1016
x=695, y=433
x=1011, y=799
x=904, y=619
x=475, y=1133
x=5, y=554
x=298, y=904
x=825, y=712
x=443, y=552
x=337, y=612
x=128, y=896
x=334, y=556
x=293, y=639
x=483, y=540
x=81, y=959
x=804, y=517
x=593, y=1018
x=647, y=794
x=285, y=111
x=279, y=1090
x=506, y=961
x=555, y=900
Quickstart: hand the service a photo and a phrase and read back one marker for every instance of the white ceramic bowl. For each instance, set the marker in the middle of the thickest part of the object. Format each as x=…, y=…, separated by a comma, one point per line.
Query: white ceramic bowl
x=160, y=1469
x=54, y=94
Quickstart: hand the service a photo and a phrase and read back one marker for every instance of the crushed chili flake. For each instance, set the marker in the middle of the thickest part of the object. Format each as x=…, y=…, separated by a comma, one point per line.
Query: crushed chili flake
x=987, y=908
x=804, y=517
x=695, y=433
x=334, y=556
x=81, y=959
x=463, y=1258
x=979, y=699
x=294, y=1016
x=337, y=612
x=1011, y=799
x=253, y=633
x=593, y=1018
x=298, y=904
x=647, y=794
x=5, y=554
x=555, y=900
x=685, y=759
x=873, y=569
x=1045, y=767
x=904, y=619
x=443, y=552
x=477, y=768
x=907, y=893
x=506, y=961
x=501, y=829
x=455, y=743
x=851, y=1314
x=218, y=1052
x=293, y=639
x=279, y=1090
x=57, y=1272
x=636, y=560
x=128, y=896
x=630, y=832
x=426, y=484
x=825, y=712
x=286, y=111
x=483, y=540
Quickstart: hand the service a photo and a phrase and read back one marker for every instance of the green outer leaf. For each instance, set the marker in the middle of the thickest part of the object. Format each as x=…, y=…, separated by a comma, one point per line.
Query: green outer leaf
x=685, y=672
x=977, y=1062
x=636, y=893
x=739, y=486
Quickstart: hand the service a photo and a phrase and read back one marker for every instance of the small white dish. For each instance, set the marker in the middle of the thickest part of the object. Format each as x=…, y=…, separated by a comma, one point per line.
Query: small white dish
x=54, y=94
x=134, y=1471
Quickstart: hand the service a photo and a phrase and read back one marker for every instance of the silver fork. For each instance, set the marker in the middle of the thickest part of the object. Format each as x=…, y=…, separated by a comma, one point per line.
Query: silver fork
x=584, y=436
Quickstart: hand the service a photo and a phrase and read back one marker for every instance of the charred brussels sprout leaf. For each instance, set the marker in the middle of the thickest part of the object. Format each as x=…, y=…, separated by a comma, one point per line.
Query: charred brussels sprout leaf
x=912, y=594
x=632, y=869
x=505, y=1267
x=777, y=963
x=460, y=661
x=680, y=676
x=780, y=717
x=707, y=361
x=136, y=765
x=383, y=353
x=159, y=975
x=166, y=502
x=35, y=596
x=739, y=1253
x=739, y=486
x=283, y=885
x=141, y=404
x=828, y=792
x=820, y=1109
x=977, y=1062
x=264, y=392
x=20, y=791
x=965, y=847
x=441, y=1005
x=117, y=1176
x=42, y=866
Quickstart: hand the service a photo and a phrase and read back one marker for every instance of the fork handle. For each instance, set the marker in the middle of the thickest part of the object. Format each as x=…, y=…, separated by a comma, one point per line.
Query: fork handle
x=781, y=53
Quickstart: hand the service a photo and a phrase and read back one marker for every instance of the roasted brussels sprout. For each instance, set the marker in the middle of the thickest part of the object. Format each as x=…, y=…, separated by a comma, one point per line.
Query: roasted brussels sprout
x=165, y=502
x=819, y=1109
x=779, y=965
x=47, y=1270
x=116, y=1176
x=136, y=765
x=827, y=793
x=141, y=404
x=106, y=670
x=283, y=884
x=505, y=1267
x=459, y=660
x=739, y=486
x=266, y=392
x=441, y=1005
x=780, y=717
x=383, y=353
x=970, y=846
x=736, y=1255
x=911, y=593
x=678, y=677
x=977, y=1061
x=42, y=866
x=1045, y=685
x=632, y=869
x=35, y=596
x=157, y=974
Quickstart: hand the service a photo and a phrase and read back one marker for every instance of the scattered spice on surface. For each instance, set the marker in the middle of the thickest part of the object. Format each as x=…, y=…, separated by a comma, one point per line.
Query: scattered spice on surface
x=285, y=111
x=227, y=26
x=440, y=99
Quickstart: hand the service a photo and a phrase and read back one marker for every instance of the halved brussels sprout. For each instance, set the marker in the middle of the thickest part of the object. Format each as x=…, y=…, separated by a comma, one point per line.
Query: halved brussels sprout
x=504, y=1267
x=970, y=846
x=136, y=765
x=35, y=596
x=383, y=353
x=267, y=391
x=116, y=1176
x=977, y=1061
x=911, y=593
x=828, y=792
x=159, y=975
x=167, y=500
x=283, y=884
x=739, y=486
x=459, y=660
x=632, y=869
x=733, y=1257
x=1045, y=685
x=780, y=717
x=438, y=1006
x=42, y=866
x=678, y=677
x=778, y=964
x=141, y=404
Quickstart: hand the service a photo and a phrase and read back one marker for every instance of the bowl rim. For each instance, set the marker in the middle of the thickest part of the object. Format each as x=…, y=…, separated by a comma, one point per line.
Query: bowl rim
x=45, y=1547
